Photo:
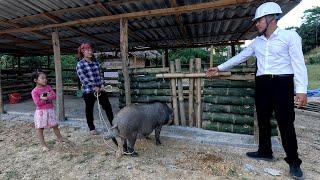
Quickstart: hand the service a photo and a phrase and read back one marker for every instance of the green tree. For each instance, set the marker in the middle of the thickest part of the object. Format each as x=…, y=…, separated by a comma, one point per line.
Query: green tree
x=310, y=29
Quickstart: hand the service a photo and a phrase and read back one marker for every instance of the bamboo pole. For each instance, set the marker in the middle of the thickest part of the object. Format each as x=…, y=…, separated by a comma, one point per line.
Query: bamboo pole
x=57, y=65
x=191, y=92
x=174, y=96
x=198, y=94
x=180, y=94
x=124, y=57
x=194, y=75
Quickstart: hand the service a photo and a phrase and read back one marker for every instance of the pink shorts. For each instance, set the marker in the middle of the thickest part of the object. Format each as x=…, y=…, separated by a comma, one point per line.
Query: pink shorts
x=45, y=118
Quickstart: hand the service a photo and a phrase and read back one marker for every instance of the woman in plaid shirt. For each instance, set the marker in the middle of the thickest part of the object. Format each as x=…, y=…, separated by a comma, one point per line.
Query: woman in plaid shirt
x=89, y=74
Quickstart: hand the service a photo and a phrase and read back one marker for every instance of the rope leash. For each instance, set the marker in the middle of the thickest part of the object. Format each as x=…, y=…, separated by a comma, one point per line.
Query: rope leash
x=101, y=118
x=107, y=126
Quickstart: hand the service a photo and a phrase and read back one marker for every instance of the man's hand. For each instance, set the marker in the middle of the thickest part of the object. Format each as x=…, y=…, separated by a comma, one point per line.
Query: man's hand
x=301, y=99
x=211, y=72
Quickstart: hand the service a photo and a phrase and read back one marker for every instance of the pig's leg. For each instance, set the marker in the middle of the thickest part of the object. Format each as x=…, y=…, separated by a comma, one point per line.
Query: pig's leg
x=157, y=135
x=125, y=146
x=131, y=142
x=120, y=150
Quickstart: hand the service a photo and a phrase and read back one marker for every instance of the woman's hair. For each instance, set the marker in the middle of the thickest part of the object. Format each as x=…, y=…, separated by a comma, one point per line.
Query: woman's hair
x=36, y=74
x=82, y=47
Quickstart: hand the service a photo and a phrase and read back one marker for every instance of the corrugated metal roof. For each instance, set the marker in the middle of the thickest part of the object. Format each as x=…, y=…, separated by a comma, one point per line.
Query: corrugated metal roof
x=203, y=27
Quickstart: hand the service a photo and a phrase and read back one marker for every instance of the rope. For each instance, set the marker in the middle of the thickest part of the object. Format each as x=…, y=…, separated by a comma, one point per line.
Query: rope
x=101, y=118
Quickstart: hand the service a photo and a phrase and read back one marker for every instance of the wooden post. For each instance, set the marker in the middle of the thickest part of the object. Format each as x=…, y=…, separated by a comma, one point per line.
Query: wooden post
x=57, y=65
x=163, y=60
x=180, y=94
x=48, y=61
x=19, y=62
x=255, y=127
x=198, y=95
x=1, y=101
x=174, y=96
x=191, y=92
x=124, y=58
x=233, y=50
x=211, y=56
x=166, y=54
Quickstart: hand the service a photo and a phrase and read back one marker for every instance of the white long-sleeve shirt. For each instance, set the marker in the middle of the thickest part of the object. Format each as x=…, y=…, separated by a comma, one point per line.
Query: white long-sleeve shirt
x=280, y=54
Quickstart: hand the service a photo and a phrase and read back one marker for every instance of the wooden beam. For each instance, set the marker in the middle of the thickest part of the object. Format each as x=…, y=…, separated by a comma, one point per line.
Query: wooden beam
x=124, y=58
x=57, y=66
x=15, y=25
x=56, y=12
x=107, y=12
x=179, y=20
x=18, y=40
x=57, y=20
x=155, y=12
x=195, y=24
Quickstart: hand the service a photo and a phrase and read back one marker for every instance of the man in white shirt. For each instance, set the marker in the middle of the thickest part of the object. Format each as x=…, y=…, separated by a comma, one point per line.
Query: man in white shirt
x=281, y=71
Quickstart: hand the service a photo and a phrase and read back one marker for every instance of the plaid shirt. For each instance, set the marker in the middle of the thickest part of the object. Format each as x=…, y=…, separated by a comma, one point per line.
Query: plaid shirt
x=89, y=75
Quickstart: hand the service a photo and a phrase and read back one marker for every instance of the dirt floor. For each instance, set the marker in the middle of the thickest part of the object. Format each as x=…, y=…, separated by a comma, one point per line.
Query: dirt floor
x=88, y=157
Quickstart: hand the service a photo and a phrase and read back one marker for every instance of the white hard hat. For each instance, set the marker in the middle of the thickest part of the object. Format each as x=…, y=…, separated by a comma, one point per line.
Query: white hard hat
x=266, y=9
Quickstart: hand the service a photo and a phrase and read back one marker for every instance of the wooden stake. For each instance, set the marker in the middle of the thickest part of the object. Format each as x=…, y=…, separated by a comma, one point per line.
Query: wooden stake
x=180, y=94
x=198, y=94
x=191, y=92
x=124, y=58
x=174, y=96
x=57, y=65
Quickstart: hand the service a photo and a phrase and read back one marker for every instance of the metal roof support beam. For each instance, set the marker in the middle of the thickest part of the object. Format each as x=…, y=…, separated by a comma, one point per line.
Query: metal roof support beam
x=57, y=67
x=155, y=12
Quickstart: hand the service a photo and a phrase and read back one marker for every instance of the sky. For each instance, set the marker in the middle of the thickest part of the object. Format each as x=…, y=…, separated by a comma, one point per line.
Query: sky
x=293, y=17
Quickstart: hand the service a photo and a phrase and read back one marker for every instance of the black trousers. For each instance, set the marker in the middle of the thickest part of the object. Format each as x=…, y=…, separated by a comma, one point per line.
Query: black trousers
x=89, y=100
x=276, y=94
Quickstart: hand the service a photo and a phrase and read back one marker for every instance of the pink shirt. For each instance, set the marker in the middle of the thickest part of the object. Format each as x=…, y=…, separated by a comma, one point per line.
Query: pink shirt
x=37, y=93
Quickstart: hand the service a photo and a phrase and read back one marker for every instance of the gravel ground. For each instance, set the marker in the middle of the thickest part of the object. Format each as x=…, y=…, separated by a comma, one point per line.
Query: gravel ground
x=90, y=157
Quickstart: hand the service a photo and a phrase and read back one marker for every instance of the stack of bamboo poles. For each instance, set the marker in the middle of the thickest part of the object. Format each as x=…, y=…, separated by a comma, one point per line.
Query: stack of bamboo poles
x=145, y=87
x=228, y=105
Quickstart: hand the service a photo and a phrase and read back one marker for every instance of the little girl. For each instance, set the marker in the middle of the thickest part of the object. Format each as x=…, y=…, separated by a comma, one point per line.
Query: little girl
x=44, y=116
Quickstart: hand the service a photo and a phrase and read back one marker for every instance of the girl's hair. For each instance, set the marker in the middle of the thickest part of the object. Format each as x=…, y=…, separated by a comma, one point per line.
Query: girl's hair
x=82, y=47
x=36, y=74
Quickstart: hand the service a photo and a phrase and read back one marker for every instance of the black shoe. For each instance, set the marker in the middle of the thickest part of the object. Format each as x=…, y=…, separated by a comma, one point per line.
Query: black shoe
x=259, y=156
x=295, y=171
